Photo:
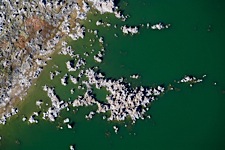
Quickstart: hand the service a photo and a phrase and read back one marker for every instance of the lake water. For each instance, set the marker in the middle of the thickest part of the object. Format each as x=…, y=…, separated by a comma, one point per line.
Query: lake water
x=186, y=118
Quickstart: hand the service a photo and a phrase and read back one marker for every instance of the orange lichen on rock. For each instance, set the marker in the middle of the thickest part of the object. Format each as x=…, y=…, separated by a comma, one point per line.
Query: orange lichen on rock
x=35, y=24
x=3, y=44
x=21, y=42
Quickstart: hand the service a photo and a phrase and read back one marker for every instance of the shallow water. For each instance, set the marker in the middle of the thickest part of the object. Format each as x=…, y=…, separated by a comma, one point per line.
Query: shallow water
x=188, y=118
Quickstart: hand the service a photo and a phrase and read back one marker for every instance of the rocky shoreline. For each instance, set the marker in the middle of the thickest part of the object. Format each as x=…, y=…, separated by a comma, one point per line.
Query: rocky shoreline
x=45, y=28
x=30, y=33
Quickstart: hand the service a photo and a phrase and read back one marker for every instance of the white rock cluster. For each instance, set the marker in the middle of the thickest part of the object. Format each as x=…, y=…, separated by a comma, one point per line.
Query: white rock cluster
x=56, y=107
x=53, y=74
x=120, y=16
x=160, y=26
x=101, y=40
x=69, y=67
x=131, y=30
x=115, y=129
x=64, y=80
x=99, y=22
x=103, y=6
x=72, y=147
x=134, y=76
x=80, y=62
x=79, y=32
x=24, y=119
x=4, y=117
x=66, y=50
x=99, y=57
x=36, y=74
x=73, y=79
x=191, y=80
x=85, y=7
x=122, y=101
x=39, y=103
x=32, y=118
x=90, y=115
x=72, y=91
x=67, y=120
x=86, y=100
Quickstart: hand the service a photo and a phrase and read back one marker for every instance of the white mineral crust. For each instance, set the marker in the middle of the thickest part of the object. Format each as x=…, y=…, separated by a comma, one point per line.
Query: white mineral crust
x=103, y=6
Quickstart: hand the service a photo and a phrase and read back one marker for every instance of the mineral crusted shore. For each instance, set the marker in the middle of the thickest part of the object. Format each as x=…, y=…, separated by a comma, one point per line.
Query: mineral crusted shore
x=29, y=33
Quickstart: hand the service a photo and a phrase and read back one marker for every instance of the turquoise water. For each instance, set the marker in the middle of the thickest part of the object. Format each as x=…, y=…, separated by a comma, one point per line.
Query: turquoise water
x=187, y=118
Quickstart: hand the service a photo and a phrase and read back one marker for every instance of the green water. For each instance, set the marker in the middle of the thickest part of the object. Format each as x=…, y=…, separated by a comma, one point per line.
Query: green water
x=188, y=118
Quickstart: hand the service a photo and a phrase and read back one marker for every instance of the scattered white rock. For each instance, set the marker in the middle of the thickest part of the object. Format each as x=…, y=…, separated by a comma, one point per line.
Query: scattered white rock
x=24, y=119
x=39, y=103
x=85, y=7
x=122, y=100
x=101, y=40
x=131, y=30
x=115, y=129
x=73, y=79
x=135, y=76
x=6, y=115
x=90, y=115
x=72, y=147
x=69, y=126
x=64, y=80
x=71, y=91
x=56, y=105
x=120, y=16
x=52, y=75
x=67, y=120
x=98, y=23
x=160, y=26
x=104, y=6
x=32, y=120
x=98, y=59
x=190, y=79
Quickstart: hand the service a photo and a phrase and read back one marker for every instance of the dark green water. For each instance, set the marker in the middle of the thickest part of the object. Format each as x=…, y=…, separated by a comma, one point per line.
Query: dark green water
x=189, y=118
